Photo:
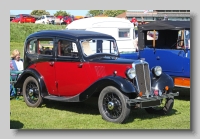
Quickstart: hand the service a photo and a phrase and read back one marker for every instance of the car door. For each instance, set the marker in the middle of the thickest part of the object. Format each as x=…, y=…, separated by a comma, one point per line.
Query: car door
x=45, y=63
x=71, y=73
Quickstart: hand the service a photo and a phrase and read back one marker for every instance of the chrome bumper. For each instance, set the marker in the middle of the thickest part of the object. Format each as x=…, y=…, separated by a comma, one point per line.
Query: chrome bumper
x=154, y=98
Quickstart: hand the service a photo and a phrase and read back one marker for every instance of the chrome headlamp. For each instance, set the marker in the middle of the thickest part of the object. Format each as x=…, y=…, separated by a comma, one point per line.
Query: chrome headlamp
x=157, y=70
x=130, y=73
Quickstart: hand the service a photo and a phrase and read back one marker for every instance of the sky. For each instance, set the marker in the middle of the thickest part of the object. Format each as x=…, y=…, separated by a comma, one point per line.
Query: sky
x=72, y=12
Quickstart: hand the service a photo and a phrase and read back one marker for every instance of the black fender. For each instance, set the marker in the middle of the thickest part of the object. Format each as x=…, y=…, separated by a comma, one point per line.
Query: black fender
x=124, y=85
x=162, y=81
x=31, y=72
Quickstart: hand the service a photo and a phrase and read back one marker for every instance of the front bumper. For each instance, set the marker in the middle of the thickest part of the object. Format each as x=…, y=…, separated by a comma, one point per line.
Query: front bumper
x=151, y=99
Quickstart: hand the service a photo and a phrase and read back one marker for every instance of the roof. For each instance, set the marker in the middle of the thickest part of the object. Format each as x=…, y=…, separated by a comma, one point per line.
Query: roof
x=122, y=15
x=73, y=34
x=165, y=25
x=92, y=21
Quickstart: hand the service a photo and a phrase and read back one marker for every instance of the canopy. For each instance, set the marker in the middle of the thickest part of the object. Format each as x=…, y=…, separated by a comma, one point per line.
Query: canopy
x=165, y=25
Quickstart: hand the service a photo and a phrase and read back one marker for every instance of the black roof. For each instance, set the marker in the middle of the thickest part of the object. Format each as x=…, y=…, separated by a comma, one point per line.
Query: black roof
x=165, y=25
x=73, y=34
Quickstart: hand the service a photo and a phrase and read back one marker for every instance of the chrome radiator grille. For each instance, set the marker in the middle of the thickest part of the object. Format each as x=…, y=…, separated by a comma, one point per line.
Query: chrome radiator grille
x=143, y=78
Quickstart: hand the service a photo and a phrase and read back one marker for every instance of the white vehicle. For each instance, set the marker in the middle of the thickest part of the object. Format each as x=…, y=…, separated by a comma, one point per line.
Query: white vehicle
x=45, y=19
x=121, y=29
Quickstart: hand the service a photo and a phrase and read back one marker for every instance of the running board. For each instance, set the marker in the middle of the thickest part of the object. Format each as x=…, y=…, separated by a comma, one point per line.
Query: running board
x=63, y=99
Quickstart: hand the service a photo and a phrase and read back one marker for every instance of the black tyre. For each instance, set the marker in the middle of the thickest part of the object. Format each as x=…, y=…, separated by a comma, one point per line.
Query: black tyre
x=163, y=109
x=112, y=105
x=31, y=92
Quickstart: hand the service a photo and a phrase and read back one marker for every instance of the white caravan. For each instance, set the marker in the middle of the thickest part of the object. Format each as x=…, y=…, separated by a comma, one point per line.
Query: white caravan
x=121, y=29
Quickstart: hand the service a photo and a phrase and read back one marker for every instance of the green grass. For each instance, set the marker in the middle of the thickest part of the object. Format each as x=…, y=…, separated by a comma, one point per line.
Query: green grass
x=19, y=32
x=19, y=46
x=60, y=115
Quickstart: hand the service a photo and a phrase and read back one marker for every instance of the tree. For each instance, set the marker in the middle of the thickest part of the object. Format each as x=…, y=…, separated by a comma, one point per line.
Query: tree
x=113, y=13
x=94, y=12
x=40, y=12
x=61, y=13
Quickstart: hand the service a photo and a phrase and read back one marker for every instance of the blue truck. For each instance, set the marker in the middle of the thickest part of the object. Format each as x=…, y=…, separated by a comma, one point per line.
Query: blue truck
x=167, y=44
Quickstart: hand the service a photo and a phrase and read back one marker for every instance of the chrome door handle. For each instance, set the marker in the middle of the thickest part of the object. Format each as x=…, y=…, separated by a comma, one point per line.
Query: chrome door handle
x=51, y=63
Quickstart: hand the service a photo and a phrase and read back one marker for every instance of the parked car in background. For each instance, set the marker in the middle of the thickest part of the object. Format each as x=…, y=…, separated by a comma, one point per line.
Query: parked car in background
x=45, y=19
x=24, y=18
x=67, y=20
x=167, y=44
x=75, y=65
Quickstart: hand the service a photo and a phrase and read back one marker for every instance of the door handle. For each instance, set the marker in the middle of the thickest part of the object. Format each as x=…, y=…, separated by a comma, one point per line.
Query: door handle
x=158, y=58
x=80, y=65
x=51, y=63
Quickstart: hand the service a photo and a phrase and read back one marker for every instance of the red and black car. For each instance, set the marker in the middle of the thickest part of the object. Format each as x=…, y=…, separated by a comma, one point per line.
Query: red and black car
x=74, y=65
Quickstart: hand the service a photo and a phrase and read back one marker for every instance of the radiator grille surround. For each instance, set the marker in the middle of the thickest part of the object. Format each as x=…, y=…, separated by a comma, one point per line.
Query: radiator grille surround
x=142, y=78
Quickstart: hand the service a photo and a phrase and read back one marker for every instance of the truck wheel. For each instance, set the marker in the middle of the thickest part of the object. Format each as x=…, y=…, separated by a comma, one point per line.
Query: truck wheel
x=112, y=105
x=31, y=92
x=163, y=109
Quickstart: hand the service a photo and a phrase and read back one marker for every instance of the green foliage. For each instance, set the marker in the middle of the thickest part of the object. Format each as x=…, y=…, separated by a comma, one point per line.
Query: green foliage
x=94, y=12
x=61, y=13
x=40, y=12
x=19, y=32
x=110, y=13
x=113, y=13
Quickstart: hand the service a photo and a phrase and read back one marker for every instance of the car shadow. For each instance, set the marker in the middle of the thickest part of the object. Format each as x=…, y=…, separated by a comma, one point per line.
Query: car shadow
x=141, y=114
x=16, y=124
x=184, y=93
x=91, y=107
x=86, y=107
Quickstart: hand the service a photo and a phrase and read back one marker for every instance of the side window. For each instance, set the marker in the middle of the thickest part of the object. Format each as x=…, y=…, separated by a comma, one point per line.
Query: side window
x=67, y=48
x=45, y=46
x=150, y=35
x=124, y=33
x=32, y=47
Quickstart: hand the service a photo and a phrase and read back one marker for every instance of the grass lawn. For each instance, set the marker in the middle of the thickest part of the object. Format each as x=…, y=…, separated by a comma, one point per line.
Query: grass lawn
x=60, y=115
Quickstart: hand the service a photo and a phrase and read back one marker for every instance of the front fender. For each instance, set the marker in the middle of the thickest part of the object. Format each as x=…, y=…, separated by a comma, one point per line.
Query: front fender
x=120, y=83
x=162, y=81
x=37, y=76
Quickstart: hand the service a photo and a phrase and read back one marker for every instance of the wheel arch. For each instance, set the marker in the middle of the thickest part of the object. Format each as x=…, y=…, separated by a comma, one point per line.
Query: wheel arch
x=37, y=76
x=123, y=85
x=162, y=81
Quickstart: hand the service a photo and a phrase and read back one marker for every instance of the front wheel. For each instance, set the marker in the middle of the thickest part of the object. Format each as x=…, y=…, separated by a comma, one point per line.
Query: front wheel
x=165, y=107
x=31, y=92
x=112, y=105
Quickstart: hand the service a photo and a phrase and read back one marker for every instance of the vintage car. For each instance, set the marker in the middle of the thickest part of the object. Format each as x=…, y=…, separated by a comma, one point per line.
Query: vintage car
x=166, y=44
x=84, y=64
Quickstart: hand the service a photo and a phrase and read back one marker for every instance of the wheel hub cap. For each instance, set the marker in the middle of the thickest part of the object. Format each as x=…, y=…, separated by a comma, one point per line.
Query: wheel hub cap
x=30, y=92
x=110, y=105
